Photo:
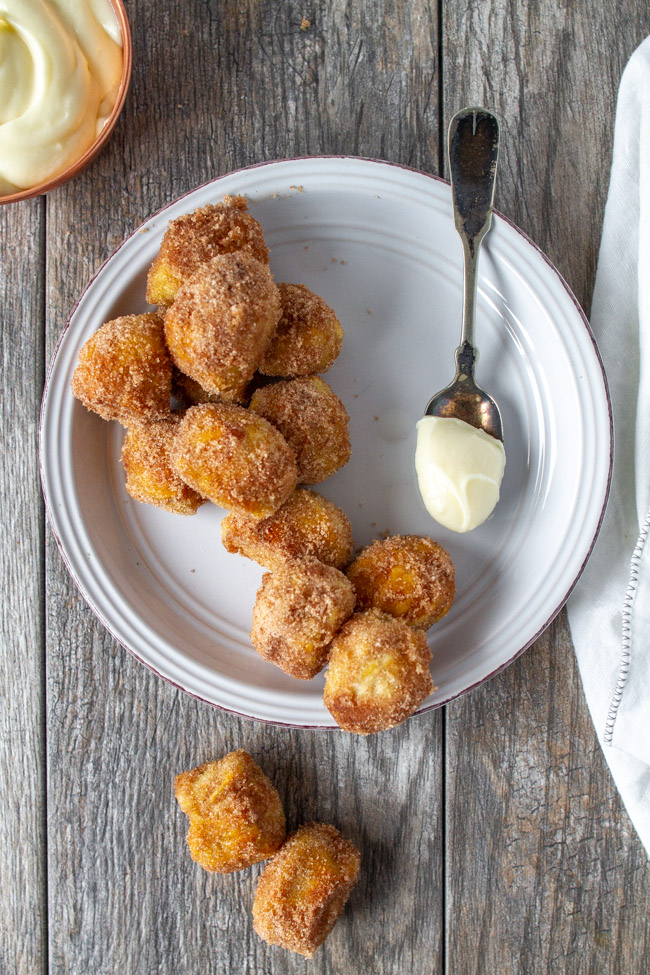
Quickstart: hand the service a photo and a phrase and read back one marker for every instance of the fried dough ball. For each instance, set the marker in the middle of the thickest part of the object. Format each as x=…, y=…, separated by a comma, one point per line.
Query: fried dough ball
x=235, y=813
x=124, y=371
x=312, y=419
x=234, y=458
x=308, y=337
x=307, y=524
x=408, y=576
x=221, y=323
x=149, y=478
x=378, y=673
x=195, y=238
x=188, y=392
x=304, y=888
x=298, y=610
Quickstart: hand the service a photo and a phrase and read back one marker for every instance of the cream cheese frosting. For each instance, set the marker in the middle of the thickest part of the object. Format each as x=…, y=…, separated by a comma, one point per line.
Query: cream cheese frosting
x=459, y=469
x=60, y=71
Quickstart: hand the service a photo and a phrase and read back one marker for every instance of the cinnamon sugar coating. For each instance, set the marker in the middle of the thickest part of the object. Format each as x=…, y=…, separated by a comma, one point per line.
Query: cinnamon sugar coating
x=308, y=336
x=234, y=458
x=221, y=322
x=304, y=888
x=312, y=419
x=307, y=524
x=124, y=371
x=195, y=238
x=235, y=813
x=188, y=392
x=408, y=576
x=298, y=610
x=378, y=673
x=149, y=477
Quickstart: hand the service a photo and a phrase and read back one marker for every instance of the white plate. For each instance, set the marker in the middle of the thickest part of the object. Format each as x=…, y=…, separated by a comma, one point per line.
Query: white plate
x=377, y=242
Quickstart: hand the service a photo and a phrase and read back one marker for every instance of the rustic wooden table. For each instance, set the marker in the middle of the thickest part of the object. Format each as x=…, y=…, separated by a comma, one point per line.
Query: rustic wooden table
x=493, y=839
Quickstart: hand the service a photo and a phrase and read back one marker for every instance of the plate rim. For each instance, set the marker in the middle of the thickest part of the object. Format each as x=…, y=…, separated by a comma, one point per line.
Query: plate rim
x=435, y=705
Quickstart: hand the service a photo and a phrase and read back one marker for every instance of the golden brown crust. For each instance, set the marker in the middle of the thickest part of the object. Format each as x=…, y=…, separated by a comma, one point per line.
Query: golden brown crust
x=304, y=888
x=307, y=524
x=190, y=393
x=308, y=336
x=298, y=610
x=378, y=673
x=408, y=576
x=195, y=238
x=221, y=323
x=124, y=371
x=234, y=458
x=149, y=477
x=235, y=813
x=312, y=419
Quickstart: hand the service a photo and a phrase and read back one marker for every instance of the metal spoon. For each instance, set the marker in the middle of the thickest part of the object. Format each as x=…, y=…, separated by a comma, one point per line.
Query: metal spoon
x=473, y=152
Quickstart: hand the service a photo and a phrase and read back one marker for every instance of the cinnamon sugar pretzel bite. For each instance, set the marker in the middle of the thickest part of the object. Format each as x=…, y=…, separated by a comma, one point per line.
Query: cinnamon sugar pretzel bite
x=194, y=238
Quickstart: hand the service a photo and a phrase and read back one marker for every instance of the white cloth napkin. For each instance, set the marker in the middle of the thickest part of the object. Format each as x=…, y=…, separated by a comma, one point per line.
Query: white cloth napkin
x=609, y=611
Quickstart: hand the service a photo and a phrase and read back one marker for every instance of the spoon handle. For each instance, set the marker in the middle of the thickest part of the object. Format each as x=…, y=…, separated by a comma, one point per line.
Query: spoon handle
x=473, y=152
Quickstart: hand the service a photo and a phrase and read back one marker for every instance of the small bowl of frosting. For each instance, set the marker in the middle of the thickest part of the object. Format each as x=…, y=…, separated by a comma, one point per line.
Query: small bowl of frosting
x=65, y=67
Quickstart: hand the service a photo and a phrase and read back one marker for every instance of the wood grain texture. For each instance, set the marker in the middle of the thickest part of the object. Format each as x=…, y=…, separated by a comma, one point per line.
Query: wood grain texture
x=558, y=881
x=551, y=73
x=493, y=839
x=23, y=930
x=244, y=82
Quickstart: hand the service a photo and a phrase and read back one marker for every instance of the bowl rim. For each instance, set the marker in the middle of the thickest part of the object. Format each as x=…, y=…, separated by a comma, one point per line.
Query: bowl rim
x=107, y=129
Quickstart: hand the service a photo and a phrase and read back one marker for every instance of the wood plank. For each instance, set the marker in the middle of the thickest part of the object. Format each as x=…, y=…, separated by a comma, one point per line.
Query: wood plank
x=23, y=906
x=544, y=870
x=236, y=83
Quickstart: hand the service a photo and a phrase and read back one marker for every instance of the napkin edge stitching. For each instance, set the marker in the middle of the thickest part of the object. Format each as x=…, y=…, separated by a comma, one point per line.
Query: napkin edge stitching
x=626, y=639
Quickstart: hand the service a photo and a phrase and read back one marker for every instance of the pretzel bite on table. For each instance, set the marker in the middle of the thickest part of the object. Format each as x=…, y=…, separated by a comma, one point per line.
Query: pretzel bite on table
x=149, y=477
x=304, y=888
x=308, y=337
x=234, y=458
x=124, y=371
x=313, y=420
x=298, y=610
x=195, y=238
x=221, y=323
x=378, y=673
x=235, y=813
x=307, y=524
x=408, y=576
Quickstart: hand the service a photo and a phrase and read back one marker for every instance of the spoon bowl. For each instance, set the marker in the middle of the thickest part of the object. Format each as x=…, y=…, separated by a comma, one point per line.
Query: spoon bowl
x=465, y=400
